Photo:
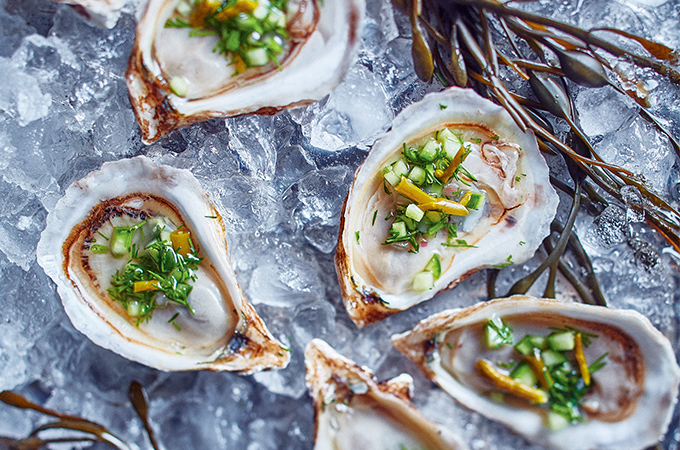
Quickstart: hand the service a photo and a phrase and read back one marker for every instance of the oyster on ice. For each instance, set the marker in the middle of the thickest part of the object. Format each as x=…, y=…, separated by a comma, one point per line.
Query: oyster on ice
x=564, y=375
x=455, y=186
x=139, y=256
x=355, y=412
x=175, y=79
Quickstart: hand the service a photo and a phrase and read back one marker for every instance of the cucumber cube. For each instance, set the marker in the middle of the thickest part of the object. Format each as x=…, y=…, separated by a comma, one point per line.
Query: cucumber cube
x=476, y=201
x=561, y=341
x=551, y=358
x=524, y=373
x=179, y=86
x=417, y=175
x=398, y=228
x=434, y=266
x=415, y=213
x=392, y=178
x=540, y=342
x=257, y=57
x=446, y=135
x=423, y=281
x=556, y=421
x=432, y=217
x=451, y=148
x=400, y=168
x=525, y=346
x=429, y=151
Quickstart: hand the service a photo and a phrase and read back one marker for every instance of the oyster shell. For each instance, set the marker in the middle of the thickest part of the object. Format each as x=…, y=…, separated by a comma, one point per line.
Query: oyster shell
x=377, y=279
x=631, y=399
x=355, y=412
x=223, y=333
x=324, y=40
x=103, y=13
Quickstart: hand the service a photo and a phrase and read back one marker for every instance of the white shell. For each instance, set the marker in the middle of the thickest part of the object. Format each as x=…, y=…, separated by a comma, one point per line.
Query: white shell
x=375, y=278
x=641, y=372
x=225, y=333
x=353, y=411
x=309, y=72
x=103, y=13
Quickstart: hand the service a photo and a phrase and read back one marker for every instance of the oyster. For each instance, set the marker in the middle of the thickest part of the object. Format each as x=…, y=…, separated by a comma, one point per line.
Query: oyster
x=353, y=411
x=397, y=247
x=323, y=39
x=627, y=401
x=211, y=327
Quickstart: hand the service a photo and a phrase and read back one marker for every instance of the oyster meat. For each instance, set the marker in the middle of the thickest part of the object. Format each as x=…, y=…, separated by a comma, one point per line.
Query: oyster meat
x=119, y=225
x=355, y=412
x=176, y=79
x=455, y=186
x=564, y=375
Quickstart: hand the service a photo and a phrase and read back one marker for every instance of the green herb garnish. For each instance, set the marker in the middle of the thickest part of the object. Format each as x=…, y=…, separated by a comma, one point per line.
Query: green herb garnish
x=250, y=33
x=156, y=269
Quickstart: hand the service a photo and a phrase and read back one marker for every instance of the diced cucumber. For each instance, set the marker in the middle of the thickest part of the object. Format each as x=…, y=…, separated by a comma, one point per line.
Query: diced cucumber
x=445, y=135
x=400, y=168
x=436, y=190
x=413, y=212
x=179, y=86
x=529, y=342
x=434, y=266
x=398, y=228
x=417, y=175
x=119, y=239
x=133, y=308
x=261, y=12
x=183, y=8
x=551, y=357
x=433, y=217
x=525, y=346
x=257, y=57
x=476, y=200
x=556, y=421
x=429, y=151
x=561, y=341
x=451, y=147
x=493, y=339
x=392, y=178
x=524, y=374
x=423, y=281
x=540, y=342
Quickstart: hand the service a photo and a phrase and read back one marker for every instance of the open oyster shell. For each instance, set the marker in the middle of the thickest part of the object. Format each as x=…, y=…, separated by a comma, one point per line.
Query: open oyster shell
x=324, y=41
x=376, y=279
x=224, y=333
x=355, y=412
x=631, y=399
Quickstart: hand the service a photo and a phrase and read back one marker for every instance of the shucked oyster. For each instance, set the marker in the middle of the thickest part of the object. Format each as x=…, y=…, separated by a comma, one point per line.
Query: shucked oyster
x=455, y=186
x=564, y=375
x=193, y=61
x=354, y=412
x=139, y=256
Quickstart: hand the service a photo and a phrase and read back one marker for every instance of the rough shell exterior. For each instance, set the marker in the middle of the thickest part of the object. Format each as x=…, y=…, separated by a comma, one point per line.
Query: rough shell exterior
x=334, y=380
x=310, y=72
x=648, y=368
x=246, y=347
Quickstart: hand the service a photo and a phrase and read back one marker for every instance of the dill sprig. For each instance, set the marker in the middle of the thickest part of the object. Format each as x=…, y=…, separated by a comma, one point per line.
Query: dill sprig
x=160, y=263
